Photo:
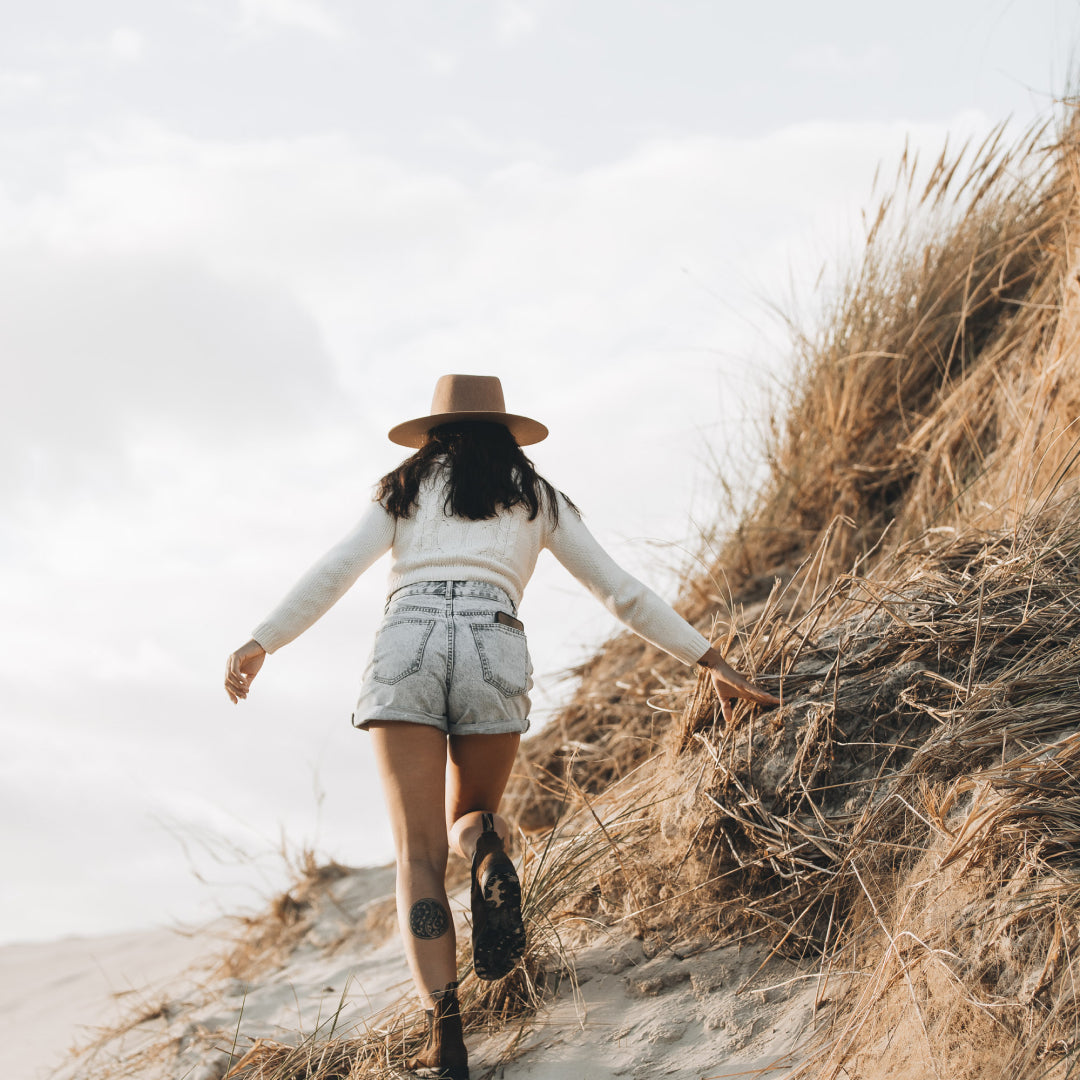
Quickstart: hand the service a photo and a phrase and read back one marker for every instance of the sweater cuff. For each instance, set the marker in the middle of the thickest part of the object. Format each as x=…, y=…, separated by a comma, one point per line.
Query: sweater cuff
x=265, y=635
x=694, y=648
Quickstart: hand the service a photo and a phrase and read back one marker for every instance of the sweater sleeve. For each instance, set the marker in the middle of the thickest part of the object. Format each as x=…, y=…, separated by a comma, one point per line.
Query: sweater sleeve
x=629, y=600
x=328, y=580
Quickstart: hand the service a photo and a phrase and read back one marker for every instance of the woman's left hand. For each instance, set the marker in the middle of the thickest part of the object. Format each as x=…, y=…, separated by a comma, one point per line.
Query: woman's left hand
x=243, y=666
x=729, y=684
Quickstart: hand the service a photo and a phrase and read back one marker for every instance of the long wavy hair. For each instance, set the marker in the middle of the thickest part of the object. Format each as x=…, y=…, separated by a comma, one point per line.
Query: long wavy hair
x=486, y=472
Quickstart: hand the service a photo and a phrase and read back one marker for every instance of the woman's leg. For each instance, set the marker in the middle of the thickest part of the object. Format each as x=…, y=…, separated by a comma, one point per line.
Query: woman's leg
x=480, y=766
x=412, y=766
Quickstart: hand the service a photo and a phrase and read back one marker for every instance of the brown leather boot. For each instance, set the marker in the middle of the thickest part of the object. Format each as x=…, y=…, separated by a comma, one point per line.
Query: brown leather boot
x=498, y=933
x=444, y=1056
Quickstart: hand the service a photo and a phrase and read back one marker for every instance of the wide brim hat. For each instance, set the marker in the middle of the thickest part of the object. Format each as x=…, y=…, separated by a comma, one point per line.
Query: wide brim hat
x=468, y=397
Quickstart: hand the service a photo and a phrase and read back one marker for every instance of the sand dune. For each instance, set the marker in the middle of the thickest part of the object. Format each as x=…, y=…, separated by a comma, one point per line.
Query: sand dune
x=57, y=993
x=156, y=1004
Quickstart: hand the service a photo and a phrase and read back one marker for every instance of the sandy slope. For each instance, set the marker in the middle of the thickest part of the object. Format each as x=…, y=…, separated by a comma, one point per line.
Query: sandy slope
x=54, y=993
x=666, y=1016
x=626, y=1013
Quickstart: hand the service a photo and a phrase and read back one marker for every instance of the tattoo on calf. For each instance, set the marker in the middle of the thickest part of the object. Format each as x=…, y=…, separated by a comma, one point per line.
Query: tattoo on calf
x=428, y=919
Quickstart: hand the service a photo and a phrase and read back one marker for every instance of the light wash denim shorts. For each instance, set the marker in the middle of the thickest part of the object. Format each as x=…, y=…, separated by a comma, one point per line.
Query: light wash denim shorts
x=441, y=658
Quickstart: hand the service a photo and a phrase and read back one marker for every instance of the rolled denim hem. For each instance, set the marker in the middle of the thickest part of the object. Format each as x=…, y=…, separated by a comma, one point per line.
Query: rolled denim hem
x=386, y=713
x=498, y=727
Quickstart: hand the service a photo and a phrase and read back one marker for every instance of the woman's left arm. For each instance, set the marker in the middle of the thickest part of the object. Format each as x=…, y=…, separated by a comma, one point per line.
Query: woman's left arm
x=242, y=667
x=312, y=596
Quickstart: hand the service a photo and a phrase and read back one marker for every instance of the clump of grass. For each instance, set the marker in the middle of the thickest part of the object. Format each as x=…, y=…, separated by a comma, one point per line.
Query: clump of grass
x=265, y=939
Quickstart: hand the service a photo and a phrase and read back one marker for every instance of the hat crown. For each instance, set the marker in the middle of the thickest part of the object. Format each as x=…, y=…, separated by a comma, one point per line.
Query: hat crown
x=467, y=398
x=468, y=393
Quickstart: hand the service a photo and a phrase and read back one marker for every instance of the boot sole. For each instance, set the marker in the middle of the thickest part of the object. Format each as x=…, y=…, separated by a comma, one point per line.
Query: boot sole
x=500, y=942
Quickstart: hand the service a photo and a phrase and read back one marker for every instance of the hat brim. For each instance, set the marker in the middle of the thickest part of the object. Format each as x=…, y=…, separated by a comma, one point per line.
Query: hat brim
x=525, y=430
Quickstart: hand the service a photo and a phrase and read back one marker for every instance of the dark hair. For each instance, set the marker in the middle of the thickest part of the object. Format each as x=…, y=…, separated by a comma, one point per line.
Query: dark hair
x=487, y=472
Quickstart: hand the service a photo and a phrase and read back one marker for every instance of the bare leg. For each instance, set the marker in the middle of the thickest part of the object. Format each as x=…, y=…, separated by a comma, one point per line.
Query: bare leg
x=412, y=766
x=480, y=766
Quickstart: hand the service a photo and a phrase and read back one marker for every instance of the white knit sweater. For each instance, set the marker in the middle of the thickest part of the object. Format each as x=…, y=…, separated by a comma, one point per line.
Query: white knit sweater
x=433, y=546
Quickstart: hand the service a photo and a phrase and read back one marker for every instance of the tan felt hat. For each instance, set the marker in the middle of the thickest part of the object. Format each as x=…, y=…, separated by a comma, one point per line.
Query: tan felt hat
x=468, y=397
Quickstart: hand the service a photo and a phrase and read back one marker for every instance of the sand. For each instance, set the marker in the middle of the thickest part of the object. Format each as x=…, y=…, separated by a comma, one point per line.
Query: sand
x=687, y=1013
x=55, y=993
x=667, y=1016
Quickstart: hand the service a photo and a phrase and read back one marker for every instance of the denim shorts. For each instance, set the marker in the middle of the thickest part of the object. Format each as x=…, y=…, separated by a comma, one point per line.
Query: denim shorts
x=441, y=658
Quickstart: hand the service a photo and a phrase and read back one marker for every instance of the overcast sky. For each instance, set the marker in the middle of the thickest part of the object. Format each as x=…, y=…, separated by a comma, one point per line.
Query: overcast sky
x=240, y=239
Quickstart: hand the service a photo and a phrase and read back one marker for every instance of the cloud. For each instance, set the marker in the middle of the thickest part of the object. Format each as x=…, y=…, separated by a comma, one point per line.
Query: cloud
x=100, y=350
x=288, y=274
x=514, y=20
x=310, y=15
x=441, y=61
x=828, y=59
x=126, y=44
x=16, y=85
x=458, y=133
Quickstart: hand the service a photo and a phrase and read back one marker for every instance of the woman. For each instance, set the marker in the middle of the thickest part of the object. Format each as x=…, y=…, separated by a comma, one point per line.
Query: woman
x=449, y=675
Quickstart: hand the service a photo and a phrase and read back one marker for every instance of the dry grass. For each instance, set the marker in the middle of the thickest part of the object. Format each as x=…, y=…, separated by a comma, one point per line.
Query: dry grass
x=264, y=940
x=909, y=577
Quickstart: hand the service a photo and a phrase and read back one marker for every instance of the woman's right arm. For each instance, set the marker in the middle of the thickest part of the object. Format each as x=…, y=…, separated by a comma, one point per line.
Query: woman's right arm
x=313, y=595
x=639, y=608
x=729, y=684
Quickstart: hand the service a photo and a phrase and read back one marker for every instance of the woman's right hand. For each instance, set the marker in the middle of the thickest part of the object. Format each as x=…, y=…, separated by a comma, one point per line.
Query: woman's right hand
x=242, y=668
x=729, y=684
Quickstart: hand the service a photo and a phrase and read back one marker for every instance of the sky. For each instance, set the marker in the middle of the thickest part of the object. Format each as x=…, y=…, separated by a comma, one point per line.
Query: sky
x=240, y=240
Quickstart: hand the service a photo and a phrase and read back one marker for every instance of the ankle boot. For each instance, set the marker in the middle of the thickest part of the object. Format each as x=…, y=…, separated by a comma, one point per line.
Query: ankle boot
x=444, y=1056
x=498, y=933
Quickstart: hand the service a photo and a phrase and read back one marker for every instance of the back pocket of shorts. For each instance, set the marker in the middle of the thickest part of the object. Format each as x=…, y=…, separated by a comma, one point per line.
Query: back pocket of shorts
x=504, y=657
x=399, y=648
